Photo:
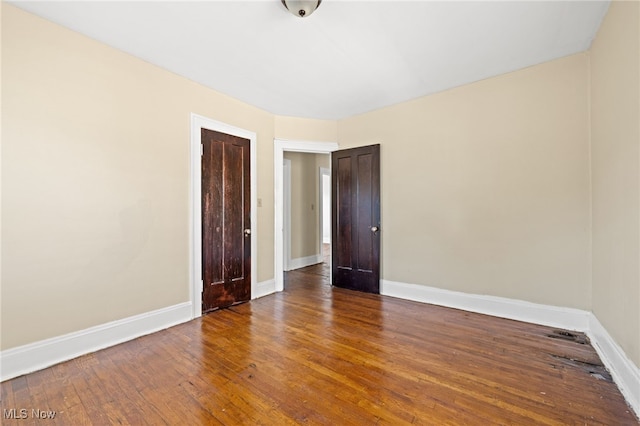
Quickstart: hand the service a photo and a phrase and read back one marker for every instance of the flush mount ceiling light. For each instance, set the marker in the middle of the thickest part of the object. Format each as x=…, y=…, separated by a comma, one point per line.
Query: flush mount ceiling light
x=301, y=8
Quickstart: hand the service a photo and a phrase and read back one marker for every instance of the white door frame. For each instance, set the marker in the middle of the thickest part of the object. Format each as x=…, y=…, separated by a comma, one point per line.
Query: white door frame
x=199, y=122
x=280, y=146
x=323, y=171
x=286, y=211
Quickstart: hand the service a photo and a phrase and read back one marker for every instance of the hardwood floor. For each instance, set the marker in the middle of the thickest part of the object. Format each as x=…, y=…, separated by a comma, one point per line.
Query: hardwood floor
x=320, y=355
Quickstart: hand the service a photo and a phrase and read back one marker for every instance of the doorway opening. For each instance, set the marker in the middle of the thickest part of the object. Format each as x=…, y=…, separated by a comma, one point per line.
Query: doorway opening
x=280, y=147
x=305, y=224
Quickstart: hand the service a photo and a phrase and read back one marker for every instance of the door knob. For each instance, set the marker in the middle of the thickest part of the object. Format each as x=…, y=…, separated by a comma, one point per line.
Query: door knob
x=374, y=229
x=247, y=232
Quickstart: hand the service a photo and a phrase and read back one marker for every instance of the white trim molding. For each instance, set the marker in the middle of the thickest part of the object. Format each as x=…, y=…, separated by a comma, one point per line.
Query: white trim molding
x=286, y=213
x=280, y=146
x=199, y=122
x=553, y=316
x=625, y=373
x=265, y=288
x=25, y=359
x=322, y=172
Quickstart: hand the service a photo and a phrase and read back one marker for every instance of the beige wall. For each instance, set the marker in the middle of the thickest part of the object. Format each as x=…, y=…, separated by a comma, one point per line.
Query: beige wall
x=96, y=180
x=485, y=188
x=615, y=151
x=1, y=173
x=305, y=129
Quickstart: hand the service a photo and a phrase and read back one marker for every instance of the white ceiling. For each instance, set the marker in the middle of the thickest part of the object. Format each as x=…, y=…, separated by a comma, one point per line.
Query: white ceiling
x=349, y=57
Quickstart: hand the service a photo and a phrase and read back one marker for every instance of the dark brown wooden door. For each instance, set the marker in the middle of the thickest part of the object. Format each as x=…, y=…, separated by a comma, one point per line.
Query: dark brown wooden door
x=355, y=210
x=226, y=224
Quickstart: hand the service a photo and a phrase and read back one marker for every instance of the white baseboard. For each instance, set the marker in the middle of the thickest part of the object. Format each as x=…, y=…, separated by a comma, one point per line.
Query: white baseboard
x=35, y=356
x=553, y=316
x=25, y=359
x=265, y=288
x=301, y=262
x=625, y=373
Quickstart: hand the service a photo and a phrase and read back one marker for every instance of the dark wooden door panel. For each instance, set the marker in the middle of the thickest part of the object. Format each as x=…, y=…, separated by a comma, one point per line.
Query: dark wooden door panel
x=233, y=212
x=365, y=219
x=343, y=219
x=356, y=215
x=226, y=204
x=212, y=250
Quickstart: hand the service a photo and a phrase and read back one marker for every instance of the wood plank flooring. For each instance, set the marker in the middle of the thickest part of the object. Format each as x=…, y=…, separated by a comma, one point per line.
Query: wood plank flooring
x=326, y=356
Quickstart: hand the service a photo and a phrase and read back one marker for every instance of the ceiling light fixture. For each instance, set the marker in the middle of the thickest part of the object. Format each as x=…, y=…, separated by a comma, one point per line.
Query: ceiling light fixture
x=301, y=8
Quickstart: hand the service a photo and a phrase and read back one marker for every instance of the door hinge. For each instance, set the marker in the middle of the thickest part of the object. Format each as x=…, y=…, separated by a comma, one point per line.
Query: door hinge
x=201, y=150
